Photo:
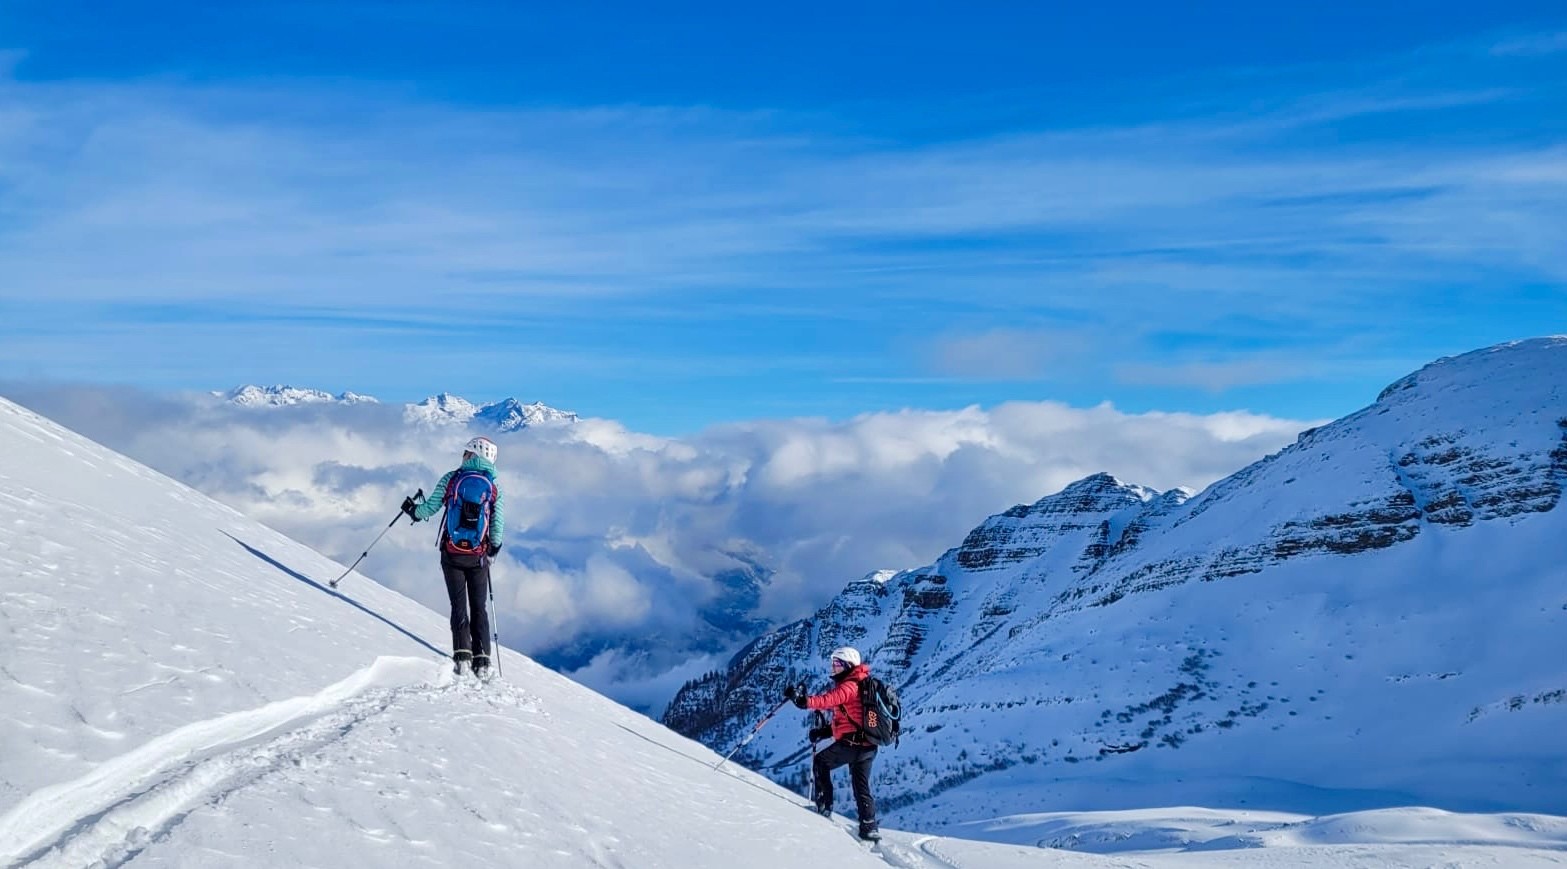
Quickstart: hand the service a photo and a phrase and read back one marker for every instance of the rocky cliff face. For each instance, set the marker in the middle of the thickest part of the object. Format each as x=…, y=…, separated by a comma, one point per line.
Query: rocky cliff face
x=1354, y=615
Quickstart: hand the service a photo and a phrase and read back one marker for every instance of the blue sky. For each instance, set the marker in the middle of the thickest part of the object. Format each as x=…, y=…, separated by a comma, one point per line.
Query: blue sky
x=680, y=215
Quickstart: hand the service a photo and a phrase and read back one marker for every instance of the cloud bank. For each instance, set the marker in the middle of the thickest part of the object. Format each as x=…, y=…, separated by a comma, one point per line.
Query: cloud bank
x=638, y=560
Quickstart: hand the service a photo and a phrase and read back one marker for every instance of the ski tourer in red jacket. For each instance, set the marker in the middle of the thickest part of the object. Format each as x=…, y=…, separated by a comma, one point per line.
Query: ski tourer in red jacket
x=850, y=747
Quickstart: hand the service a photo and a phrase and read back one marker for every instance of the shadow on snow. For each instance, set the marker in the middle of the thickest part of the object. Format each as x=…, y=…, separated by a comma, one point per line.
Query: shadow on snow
x=334, y=593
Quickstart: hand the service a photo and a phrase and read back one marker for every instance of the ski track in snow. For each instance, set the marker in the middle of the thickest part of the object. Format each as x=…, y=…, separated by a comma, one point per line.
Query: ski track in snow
x=923, y=844
x=903, y=858
x=107, y=816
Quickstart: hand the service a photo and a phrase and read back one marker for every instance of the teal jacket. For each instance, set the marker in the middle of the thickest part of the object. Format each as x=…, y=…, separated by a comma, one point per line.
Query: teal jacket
x=432, y=502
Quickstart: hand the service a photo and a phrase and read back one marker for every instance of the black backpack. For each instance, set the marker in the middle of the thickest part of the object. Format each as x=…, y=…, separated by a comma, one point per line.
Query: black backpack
x=883, y=711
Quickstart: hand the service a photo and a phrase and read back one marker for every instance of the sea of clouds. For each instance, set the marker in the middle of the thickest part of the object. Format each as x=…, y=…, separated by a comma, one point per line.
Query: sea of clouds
x=614, y=538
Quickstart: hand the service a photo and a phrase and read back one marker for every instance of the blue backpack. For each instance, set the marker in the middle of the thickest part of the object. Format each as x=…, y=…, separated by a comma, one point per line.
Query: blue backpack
x=469, y=497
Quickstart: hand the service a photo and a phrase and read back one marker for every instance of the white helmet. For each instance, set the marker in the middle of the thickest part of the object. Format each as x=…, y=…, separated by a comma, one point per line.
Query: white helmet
x=847, y=654
x=483, y=446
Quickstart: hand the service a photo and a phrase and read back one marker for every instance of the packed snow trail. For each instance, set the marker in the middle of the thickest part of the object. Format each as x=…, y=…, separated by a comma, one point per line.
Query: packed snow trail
x=146, y=787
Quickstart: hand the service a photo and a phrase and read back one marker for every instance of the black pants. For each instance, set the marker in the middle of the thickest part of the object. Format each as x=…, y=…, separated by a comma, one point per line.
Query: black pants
x=858, y=758
x=468, y=589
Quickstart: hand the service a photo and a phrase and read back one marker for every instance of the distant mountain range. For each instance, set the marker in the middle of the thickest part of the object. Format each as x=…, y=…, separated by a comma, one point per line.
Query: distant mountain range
x=1375, y=615
x=286, y=396
x=506, y=415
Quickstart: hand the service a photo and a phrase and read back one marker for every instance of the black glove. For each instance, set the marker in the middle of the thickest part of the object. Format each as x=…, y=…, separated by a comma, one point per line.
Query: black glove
x=493, y=549
x=818, y=734
x=408, y=507
x=796, y=693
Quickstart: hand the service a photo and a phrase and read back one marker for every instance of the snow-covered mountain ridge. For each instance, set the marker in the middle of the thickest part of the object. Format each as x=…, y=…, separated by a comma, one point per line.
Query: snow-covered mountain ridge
x=178, y=688
x=288, y=396
x=1371, y=616
x=506, y=415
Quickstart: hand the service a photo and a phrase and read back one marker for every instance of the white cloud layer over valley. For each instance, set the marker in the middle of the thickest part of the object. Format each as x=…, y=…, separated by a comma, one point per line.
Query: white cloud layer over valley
x=620, y=543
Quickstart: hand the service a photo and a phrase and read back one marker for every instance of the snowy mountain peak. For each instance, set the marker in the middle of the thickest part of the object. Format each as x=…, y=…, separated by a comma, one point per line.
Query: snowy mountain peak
x=511, y=414
x=877, y=577
x=443, y=409
x=507, y=415
x=1027, y=531
x=872, y=581
x=286, y=396
x=1099, y=488
x=1494, y=368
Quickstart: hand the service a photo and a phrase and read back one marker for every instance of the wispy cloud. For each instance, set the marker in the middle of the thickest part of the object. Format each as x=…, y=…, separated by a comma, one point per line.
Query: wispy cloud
x=346, y=215
x=1005, y=354
x=1534, y=45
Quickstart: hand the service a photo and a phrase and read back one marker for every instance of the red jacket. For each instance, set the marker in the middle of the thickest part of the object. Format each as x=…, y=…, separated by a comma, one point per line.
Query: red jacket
x=844, y=701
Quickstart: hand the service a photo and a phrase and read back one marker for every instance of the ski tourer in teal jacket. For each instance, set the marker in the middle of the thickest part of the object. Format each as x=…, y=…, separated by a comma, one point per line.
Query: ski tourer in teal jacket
x=466, y=554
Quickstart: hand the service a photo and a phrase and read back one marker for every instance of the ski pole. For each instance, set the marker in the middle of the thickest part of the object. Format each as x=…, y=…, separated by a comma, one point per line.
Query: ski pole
x=495, y=628
x=812, y=771
x=418, y=496
x=812, y=740
x=749, y=736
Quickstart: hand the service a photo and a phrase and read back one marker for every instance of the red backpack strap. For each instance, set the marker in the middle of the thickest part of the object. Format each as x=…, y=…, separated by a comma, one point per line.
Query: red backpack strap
x=446, y=504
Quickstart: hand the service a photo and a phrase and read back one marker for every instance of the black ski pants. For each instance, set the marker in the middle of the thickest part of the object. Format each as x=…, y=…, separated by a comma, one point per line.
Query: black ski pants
x=468, y=589
x=859, y=759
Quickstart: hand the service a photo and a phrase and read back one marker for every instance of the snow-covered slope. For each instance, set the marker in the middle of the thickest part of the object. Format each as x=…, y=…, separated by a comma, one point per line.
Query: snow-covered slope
x=1374, y=616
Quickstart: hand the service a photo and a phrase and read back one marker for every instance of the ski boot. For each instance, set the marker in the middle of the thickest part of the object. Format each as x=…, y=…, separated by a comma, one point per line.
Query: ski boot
x=481, y=667
x=461, y=661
